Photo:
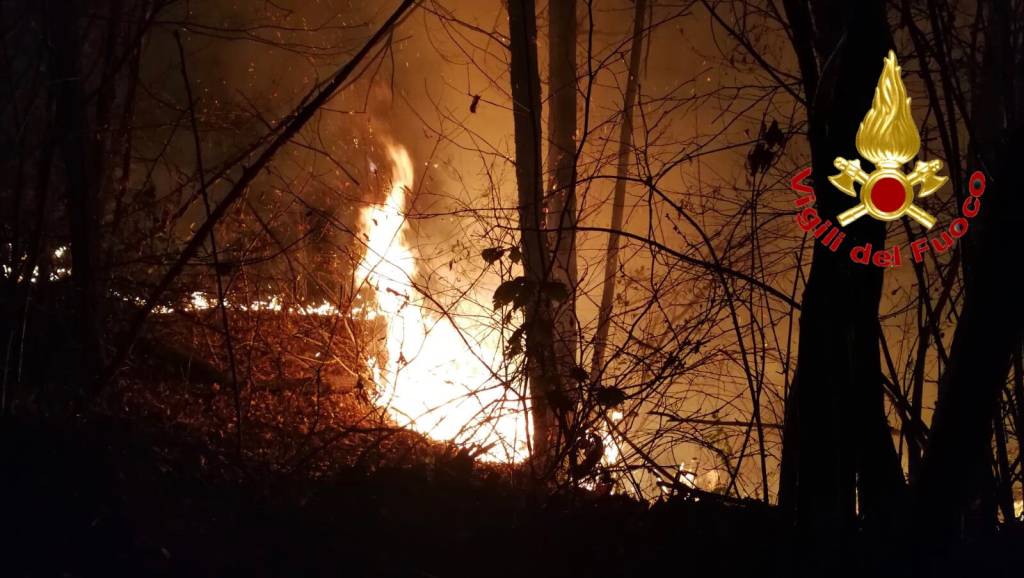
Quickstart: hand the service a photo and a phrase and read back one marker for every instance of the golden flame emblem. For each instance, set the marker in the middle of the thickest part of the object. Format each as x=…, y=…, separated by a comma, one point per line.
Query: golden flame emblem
x=888, y=138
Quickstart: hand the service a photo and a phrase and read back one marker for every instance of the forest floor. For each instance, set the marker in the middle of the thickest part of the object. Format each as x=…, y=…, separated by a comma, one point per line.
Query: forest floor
x=156, y=484
x=109, y=497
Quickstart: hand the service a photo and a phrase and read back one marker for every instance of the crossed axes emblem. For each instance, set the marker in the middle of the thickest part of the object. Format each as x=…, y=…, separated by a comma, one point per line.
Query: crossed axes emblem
x=887, y=194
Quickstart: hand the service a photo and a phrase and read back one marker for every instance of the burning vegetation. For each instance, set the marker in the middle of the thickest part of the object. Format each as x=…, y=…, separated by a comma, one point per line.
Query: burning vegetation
x=435, y=372
x=364, y=288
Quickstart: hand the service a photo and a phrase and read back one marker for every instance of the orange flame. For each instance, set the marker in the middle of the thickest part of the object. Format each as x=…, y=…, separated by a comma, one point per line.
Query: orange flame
x=436, y=378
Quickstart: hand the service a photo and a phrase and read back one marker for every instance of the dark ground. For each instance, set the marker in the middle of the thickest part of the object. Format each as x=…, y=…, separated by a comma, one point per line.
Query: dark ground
x=110, y=498
x=103, y=500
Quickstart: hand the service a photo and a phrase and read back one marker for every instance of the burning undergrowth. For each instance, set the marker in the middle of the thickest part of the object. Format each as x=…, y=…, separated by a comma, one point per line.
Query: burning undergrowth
x=441, y=368
x=378, y=372
x=305, y=402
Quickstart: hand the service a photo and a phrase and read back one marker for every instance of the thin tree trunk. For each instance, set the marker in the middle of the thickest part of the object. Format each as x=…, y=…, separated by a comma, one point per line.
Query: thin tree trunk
x=82, y=181
x=560, y=214
x=526, y=105
x=1004, y=481
x=1018, y=390
x=611, y=263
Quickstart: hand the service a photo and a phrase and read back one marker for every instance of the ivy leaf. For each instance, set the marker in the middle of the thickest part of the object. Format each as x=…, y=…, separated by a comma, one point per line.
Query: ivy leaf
x=514, y=349
x=506, y=292
x=774, y=136
x=515, y=255
x=518, y=292
x=492, y=254
x=515, y=342
x=527, y=292
x=579, y=374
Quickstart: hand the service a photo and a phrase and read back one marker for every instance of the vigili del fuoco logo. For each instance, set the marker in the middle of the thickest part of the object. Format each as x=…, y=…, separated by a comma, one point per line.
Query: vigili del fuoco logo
x=888, y=139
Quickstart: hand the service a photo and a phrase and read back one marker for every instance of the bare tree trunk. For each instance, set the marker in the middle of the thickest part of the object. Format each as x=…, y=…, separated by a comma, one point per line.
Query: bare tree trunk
x=611, y=263
x=82, y=184
x=836, y=437
x=560, y=216
x=526, y=105
x=955, y=487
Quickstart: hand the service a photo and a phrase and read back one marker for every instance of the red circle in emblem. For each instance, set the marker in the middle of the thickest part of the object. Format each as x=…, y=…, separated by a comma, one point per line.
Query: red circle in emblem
x=888, y=194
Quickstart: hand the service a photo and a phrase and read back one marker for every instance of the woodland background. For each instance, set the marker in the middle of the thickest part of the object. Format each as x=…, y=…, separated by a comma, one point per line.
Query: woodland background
x=600, y=192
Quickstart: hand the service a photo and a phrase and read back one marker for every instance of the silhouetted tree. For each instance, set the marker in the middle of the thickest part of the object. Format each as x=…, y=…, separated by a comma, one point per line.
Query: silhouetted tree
x=837, y=442
x=955, y=490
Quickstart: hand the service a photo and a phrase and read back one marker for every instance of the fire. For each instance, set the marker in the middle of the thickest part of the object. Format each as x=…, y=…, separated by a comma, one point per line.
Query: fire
x=437, y=376
x=887, y=135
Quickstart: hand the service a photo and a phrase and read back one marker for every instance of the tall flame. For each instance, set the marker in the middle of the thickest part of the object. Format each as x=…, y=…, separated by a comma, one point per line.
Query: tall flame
x=436, y=378
x=887, y=135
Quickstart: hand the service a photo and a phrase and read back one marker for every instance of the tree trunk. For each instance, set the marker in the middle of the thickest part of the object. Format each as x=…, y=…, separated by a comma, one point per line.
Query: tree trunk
x=526, y=105
x=81, y=183
x=836, y=437
x=954, y=490
x=560, y=216
x=611, y=263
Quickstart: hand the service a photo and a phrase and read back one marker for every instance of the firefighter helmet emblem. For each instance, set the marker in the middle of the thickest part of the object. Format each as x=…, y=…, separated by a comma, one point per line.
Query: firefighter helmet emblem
x=888, y=138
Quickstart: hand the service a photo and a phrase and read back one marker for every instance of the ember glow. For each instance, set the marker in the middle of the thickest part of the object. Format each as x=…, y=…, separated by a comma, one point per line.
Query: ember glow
x=436, y=378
